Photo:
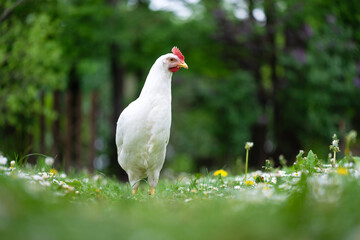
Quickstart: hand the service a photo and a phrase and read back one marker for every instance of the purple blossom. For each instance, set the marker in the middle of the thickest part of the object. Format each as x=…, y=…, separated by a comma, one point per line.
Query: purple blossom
x=331, y=18
x=299, y=54
x=357, y=81
x=308, y=30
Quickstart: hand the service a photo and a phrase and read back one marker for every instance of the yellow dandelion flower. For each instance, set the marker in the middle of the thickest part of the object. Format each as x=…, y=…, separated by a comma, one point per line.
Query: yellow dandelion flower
x=221, y=172
x=249, y=183
x=53, y=172
x=342, y=171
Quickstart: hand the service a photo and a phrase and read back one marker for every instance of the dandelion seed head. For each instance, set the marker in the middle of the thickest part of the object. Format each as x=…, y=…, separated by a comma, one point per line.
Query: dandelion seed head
x=49, y=161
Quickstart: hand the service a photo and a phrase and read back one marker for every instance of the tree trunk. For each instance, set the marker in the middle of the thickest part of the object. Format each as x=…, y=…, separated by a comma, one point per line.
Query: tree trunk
x=260, y=127
x=117, y=75
x=57, y=148
x=269, y=7
x=93, y=130
x=73, y=109
x=117, y=82
x=250, y=10
x=42, y=125
x=286, y=142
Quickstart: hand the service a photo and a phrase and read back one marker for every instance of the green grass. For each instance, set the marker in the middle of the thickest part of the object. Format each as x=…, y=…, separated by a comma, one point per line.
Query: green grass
x=319, y=205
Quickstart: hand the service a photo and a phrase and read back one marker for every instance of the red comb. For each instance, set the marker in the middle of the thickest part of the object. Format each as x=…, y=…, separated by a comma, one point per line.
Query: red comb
x=177, y=52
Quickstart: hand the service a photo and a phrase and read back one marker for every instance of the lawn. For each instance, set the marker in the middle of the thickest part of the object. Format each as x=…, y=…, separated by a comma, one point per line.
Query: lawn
x=310, y=200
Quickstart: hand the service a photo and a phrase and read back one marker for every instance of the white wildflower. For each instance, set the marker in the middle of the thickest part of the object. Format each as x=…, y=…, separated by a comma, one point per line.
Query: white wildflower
x=45, y=176
x=63, y=175
x=3, y=160
x=37, y=177
x=97, y=177
x=44, y=183
x=70, y=188
x=317, y=168
x=237, y=187
x=281, y=173
x=12, y=163
x=296, y=174
x=274, y=180
x=4, y=168
x=23, y=175
x=249, y=145
x=349, y=165
x=49, y=161
x=238, y=178
x=266, y=177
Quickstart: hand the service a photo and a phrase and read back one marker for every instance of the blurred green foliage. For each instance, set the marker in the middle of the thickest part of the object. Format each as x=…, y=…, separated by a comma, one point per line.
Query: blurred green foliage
x=29, y=56
x=295, y=74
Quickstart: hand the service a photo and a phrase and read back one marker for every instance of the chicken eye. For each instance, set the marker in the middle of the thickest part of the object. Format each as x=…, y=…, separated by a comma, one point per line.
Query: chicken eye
x=172, y=59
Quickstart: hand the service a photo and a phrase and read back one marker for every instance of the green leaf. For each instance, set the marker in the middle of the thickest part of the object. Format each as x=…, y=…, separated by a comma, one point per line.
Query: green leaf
x=356, y=159
x=310, y=161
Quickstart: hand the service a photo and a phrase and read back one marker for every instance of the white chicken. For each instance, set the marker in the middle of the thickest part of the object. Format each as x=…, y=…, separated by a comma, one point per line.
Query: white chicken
x=143, y=128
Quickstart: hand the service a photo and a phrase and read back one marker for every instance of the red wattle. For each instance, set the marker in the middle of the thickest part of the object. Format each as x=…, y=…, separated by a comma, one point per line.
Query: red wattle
x=174, y=69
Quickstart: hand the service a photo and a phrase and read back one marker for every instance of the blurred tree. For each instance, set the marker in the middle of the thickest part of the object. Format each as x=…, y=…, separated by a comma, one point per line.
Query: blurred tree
x=29, y=57
x=318, y=63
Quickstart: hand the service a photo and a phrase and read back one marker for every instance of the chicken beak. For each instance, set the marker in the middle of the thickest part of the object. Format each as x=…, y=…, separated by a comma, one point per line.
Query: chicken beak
x=183, y=64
